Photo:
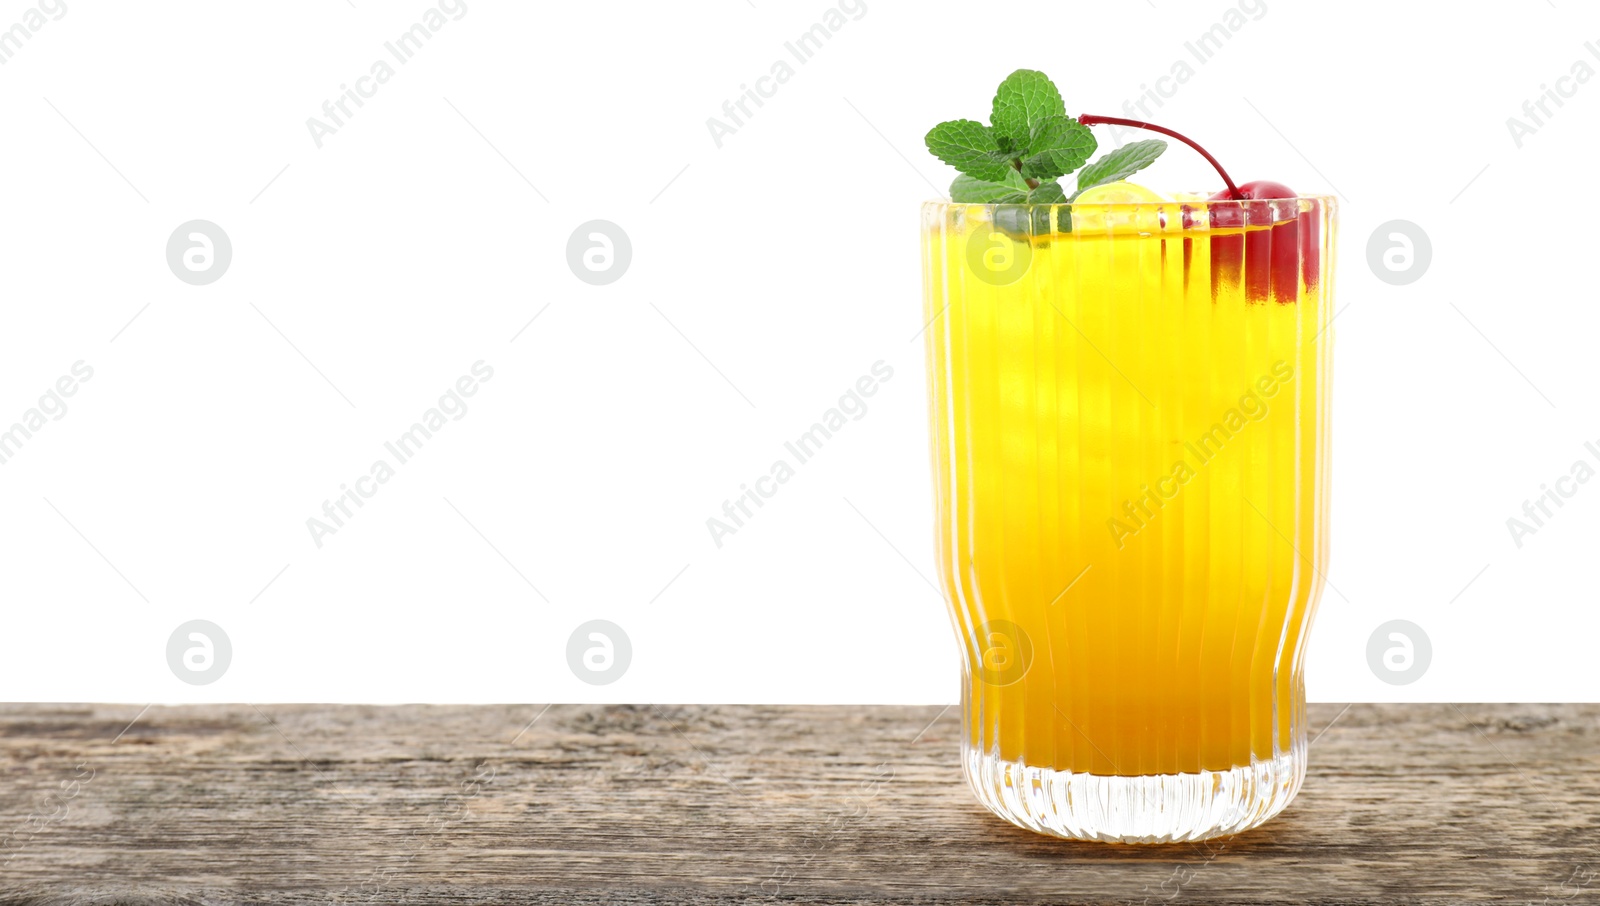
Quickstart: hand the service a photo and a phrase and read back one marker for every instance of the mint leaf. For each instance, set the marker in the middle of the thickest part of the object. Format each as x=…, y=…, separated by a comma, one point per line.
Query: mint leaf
x=1120, y=164
x=1048, y=193
x=1014, y=190
x=1023, y=221
x=970, y=147
x=1024, y=99
x=970, y=190
x=1050, y=196
x=1057, y=146
x=1024, y=216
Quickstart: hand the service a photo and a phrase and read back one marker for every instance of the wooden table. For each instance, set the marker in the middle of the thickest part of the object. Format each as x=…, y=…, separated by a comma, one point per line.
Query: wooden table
x=630, y=804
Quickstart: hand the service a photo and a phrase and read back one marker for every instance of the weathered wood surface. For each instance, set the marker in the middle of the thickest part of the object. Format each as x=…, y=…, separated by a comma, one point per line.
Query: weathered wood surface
x=592, y=804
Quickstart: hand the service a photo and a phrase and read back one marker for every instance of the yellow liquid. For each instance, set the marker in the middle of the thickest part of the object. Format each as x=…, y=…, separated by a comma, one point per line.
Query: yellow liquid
x=1130, y=462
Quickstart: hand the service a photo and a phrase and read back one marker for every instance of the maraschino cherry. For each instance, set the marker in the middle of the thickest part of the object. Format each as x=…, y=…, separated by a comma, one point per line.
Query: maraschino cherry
x=1265, y=260
x=1259, y=190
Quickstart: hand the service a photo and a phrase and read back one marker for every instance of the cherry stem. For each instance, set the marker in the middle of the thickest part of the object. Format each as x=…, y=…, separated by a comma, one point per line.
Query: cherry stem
x=1089, y=119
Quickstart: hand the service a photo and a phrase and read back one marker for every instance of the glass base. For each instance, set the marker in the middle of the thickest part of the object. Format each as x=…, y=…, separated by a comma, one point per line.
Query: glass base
x=1157, y=808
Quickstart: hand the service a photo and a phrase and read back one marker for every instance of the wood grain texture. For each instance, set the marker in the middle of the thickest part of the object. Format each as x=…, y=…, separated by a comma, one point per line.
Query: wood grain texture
x=712, y=805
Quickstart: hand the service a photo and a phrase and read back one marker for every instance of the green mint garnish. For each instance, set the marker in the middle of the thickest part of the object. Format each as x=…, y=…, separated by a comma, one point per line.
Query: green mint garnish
x=1029, y=144
x=1048, y=193
x=1023, y=104
x=1010, y=189
x=1057, y=146
x=1120, y=164
x=970, y=147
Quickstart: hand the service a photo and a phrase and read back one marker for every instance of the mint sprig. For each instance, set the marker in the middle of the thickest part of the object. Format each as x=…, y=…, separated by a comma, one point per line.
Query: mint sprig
x=1028, y=146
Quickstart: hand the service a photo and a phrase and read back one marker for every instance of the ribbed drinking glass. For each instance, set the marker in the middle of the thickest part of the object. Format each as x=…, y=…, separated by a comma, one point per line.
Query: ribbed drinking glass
x=1129, y=417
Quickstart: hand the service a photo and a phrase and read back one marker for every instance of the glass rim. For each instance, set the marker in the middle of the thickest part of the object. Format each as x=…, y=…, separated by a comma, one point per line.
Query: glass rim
x=1126, y=205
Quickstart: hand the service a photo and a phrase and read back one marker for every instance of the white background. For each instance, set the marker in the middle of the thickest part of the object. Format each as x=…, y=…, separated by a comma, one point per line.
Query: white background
x=766, y=278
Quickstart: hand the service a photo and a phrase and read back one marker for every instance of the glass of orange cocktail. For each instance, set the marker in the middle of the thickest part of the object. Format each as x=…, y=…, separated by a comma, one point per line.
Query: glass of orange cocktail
x=1129, y=420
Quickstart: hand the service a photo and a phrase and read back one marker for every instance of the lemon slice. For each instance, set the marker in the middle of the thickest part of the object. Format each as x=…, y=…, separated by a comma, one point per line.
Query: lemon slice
x=1120, y=192
x=1093, y=211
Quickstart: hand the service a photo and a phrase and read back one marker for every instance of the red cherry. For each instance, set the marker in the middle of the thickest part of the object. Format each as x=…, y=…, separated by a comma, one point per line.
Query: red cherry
x=1267, y=262
x=1261, y=189
x=1285, y=238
